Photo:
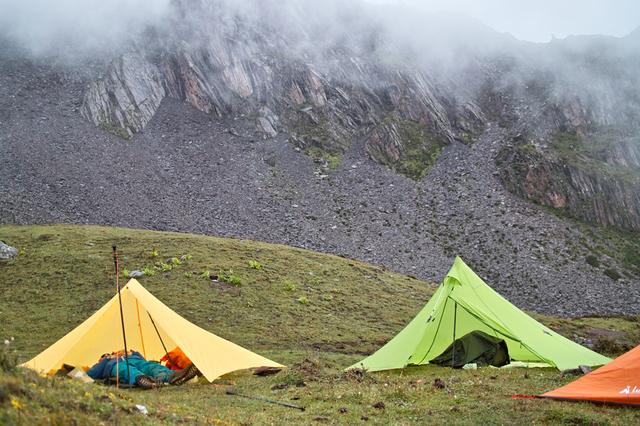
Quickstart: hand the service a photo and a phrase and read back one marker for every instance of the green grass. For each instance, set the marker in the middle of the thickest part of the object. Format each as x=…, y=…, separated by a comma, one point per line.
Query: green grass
x=420, y=148
x=64, y=273
x=331, y=157
x=115, y=129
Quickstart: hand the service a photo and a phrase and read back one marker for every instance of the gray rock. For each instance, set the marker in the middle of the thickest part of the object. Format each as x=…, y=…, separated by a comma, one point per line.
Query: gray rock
x=136, y=274
x=7, y=252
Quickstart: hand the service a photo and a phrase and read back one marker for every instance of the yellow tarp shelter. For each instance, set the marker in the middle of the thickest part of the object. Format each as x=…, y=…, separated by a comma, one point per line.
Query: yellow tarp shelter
x=148, y=324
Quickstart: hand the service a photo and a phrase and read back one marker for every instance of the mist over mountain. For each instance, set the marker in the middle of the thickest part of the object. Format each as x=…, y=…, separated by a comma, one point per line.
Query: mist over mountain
x=383, y=132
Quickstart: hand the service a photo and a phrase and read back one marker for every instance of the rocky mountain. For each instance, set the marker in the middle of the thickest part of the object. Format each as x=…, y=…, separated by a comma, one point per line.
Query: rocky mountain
x=325, y=98
x=398, y=151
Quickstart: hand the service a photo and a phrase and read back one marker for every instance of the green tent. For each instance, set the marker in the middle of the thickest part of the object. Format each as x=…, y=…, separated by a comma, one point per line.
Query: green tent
x=464, y=303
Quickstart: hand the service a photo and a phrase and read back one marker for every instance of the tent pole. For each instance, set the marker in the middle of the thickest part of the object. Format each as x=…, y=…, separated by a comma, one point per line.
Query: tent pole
x=455, y=314
x=160, y=337
x=124, y=335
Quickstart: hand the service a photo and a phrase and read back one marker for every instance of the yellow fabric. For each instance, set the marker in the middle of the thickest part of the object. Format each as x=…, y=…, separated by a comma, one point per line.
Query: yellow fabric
x=102, y=333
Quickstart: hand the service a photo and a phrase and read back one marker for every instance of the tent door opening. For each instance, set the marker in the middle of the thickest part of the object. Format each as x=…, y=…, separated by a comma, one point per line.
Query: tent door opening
x=475, y=347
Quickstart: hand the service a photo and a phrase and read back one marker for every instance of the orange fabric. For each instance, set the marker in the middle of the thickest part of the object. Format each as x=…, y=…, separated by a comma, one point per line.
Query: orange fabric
x=617, y=382
x=176, y=360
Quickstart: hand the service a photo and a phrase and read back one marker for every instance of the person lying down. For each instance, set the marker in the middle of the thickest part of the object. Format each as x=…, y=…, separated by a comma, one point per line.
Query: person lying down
x=141, y=372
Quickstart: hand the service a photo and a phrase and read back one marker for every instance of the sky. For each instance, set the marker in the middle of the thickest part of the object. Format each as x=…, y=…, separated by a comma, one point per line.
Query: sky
x=539, y=20
x=86, y=25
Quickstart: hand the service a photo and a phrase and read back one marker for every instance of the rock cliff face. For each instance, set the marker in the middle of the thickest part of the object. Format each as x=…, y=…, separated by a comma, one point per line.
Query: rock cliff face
x=127, y=97
x=592, y=191
x=574, y=134
x=324, y=104
x=328, y=99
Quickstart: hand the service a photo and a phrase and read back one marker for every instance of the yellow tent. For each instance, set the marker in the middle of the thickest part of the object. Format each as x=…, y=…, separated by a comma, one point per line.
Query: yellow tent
x=146, y=320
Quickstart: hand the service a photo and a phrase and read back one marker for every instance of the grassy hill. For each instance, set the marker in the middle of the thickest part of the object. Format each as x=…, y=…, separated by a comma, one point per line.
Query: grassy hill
x=316, y=313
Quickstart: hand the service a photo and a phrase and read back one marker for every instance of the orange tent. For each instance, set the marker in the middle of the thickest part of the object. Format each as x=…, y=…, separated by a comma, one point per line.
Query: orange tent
x=617, y=382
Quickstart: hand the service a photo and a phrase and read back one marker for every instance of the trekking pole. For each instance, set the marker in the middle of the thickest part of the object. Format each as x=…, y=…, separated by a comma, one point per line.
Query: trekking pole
x=231, y=391
x=124, y=335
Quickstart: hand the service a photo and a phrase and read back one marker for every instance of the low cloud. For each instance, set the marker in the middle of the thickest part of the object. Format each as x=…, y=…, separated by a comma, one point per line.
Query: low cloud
x=76, y=27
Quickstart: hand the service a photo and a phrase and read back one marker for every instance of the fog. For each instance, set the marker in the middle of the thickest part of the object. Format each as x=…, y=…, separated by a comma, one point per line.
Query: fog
x=540, y=20
x=80, y=27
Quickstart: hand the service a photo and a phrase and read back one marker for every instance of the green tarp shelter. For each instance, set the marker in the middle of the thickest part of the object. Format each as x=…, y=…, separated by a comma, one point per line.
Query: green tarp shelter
x=464, y=303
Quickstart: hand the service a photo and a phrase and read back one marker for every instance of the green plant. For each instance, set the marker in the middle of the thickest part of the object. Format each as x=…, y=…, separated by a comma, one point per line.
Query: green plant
x=206, y=275
x=148, y=271
x=613, y=274
x=188, y=257
x=303, y=300
x=175, y=261
x=229, y=278
x=153, y=253
x=333, y=161
x=420, y=149
x=593, y=261
x=125, y=273
x=188, y=274
x=289, y=286
x=115, y=129
x=8, y=359
x=164, y=267
x=254, y=264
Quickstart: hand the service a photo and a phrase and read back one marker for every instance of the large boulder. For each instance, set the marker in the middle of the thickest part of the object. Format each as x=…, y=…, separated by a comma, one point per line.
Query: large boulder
x=7, y=252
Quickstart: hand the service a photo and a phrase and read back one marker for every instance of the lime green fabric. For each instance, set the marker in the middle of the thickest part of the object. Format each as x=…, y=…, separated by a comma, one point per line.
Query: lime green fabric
x=465, y=301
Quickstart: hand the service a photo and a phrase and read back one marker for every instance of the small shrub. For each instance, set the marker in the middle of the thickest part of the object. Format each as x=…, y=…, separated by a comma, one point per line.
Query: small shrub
x=333, y=162
x=358, y=375
x=164, y=267
x=613, y=274
x=148, y=271
x=153, y=253
x=8, y=360
x=609, y=346
x=303, y=300
x=254, y=264
x=289, y=286
x=593, y=261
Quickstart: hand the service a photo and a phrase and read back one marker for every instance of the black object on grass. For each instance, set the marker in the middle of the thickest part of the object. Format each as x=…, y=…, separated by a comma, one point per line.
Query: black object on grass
x=232, y=391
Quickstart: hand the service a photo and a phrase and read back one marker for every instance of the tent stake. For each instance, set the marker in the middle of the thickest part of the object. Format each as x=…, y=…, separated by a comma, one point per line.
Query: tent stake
x=124, y=335
x=269, y=401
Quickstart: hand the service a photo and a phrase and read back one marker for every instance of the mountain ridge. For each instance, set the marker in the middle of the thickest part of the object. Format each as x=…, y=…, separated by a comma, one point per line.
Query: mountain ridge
x=240, y=134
